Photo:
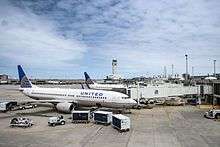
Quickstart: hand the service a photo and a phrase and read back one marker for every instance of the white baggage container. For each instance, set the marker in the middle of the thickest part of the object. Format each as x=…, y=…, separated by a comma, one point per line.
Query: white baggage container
x=103, y=117
x=80, y=116
x=121, y=122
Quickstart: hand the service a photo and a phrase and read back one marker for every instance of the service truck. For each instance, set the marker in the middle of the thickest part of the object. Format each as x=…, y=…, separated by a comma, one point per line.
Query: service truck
x=213, y=113
x=56, y=120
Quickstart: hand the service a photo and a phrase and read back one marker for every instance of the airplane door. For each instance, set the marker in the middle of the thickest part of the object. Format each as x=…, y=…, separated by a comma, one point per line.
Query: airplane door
x=67, y=93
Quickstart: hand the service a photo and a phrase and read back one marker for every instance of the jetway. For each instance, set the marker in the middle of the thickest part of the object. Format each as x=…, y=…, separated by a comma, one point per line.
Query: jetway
x=167, y=90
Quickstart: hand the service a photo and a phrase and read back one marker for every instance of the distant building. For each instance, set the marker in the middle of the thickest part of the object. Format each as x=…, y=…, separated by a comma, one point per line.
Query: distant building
x=3, y=79
x=202, y=77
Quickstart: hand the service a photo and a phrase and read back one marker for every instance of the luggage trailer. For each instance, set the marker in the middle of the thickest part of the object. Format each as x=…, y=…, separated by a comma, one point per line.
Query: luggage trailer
x=80, y=116
x=121, y=122
x=103, y=117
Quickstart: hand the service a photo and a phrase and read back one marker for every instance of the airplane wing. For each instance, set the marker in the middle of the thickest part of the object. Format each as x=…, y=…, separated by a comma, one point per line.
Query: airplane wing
x=12, y=89
x=47, y=101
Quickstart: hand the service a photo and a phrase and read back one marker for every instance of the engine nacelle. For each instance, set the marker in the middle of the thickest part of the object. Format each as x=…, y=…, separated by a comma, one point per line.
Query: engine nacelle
x=65, y=107
x=151, y=101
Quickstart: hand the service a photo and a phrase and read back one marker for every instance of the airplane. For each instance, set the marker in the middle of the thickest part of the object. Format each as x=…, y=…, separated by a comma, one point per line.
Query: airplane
x=93, y=85
x=66, y=100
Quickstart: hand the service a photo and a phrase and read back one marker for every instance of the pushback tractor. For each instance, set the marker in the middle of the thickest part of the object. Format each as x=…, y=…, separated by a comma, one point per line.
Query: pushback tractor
x=56, y=120
x=213, y=114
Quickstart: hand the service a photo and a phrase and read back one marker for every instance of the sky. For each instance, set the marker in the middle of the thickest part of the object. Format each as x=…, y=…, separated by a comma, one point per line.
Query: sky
x=64, y=38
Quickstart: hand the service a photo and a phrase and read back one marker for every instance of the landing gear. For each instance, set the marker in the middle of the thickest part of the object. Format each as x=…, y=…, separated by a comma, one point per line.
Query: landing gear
x=98, y=105
x=138, y=107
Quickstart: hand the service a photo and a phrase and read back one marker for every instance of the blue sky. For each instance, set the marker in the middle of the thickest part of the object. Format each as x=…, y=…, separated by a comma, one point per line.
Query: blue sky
x=64, y=38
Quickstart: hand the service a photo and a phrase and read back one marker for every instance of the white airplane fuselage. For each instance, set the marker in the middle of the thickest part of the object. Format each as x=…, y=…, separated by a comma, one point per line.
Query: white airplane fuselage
x=83, y=97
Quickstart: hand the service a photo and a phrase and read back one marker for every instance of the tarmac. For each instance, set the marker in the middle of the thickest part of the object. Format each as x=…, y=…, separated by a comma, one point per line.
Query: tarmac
x=162, y=126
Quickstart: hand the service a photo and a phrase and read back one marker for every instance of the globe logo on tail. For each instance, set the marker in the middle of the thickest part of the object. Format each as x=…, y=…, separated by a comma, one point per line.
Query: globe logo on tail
x=25, y=83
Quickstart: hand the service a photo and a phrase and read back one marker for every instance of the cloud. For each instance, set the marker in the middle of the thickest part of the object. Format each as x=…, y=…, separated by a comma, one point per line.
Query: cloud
x=143, y=35
x=159, y=33
x=32, y=40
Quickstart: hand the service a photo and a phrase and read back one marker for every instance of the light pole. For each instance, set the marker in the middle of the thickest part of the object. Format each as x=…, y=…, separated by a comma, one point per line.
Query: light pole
x=214, y=61
x=138, y=95
x=165, y=72
x=172, y=70
x=213, y=86
x=213, y=94
x=186, y=66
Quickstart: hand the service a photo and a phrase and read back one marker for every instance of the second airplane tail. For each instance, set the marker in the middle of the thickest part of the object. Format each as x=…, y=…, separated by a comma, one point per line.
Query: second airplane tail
x=87, y=78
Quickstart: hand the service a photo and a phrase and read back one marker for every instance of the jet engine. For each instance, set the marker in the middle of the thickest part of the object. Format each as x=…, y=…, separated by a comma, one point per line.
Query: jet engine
x=65, y=107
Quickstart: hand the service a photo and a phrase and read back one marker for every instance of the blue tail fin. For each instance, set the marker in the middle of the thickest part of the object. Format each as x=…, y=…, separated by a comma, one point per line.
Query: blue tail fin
x=25, y=82
x=88, y=80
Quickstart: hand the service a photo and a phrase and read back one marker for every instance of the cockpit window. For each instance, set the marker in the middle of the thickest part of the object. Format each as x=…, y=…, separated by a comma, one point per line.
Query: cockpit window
x=125, y=97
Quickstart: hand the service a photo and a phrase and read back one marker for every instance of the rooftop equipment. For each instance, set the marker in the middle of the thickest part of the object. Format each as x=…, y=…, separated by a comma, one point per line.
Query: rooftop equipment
x=186, y=65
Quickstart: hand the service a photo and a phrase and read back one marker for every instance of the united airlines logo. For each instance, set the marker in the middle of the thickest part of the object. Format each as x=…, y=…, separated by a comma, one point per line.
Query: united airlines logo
x=92, y=93
x=25, y=83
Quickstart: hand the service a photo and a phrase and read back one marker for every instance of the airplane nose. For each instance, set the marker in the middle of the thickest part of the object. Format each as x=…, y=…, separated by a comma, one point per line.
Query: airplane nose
x=133, y=102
